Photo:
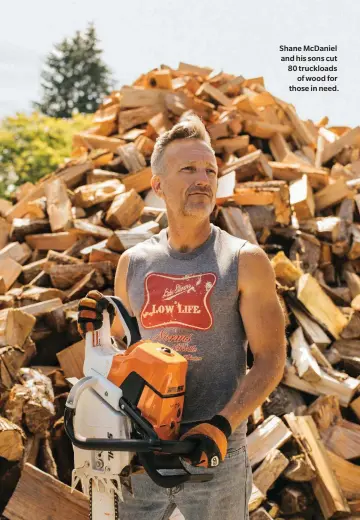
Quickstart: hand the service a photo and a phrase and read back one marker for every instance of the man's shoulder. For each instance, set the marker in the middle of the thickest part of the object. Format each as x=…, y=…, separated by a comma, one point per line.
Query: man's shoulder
x=235, y=243
x=146, y=247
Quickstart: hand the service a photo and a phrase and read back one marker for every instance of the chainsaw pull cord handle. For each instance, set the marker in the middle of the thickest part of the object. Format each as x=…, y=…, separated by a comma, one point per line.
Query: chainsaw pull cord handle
x=128, y=322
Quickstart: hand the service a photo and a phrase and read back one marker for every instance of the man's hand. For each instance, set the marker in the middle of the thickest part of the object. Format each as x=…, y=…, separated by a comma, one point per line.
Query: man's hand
x=91, y=309
x=211, y=446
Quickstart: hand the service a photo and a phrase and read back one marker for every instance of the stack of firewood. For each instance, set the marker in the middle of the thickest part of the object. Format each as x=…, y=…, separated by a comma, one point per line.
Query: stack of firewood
x=288, y=185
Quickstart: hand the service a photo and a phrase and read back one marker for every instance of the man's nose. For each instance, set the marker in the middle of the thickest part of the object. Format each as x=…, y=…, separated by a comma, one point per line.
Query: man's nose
x=202, y=177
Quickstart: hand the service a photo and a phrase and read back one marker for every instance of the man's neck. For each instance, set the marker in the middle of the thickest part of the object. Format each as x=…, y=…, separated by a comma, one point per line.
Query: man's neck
x=187, y=235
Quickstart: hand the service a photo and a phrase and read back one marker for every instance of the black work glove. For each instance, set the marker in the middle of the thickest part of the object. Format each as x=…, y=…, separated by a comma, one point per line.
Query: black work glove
x=211, y=437
x=90, y=312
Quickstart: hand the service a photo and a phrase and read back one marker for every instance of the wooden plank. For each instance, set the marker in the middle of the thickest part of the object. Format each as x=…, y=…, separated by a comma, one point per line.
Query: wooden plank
x=57, y=501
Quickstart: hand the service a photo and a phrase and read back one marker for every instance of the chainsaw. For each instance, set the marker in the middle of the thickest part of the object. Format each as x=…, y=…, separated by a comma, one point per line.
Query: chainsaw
x=124, y=416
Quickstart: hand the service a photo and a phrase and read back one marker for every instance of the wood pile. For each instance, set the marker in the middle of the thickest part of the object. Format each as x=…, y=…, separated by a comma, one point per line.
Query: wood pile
x=289, y=185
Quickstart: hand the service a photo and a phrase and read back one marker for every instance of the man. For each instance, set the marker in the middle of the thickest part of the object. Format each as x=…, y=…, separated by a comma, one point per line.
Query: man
x=206, y=294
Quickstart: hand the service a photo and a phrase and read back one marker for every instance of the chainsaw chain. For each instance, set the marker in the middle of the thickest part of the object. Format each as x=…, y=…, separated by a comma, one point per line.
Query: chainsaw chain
x=90, y=499
x=116, y=503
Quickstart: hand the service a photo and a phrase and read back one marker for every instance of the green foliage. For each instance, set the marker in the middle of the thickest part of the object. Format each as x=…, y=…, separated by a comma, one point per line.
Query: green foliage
x=33, y=146
x=75, y=78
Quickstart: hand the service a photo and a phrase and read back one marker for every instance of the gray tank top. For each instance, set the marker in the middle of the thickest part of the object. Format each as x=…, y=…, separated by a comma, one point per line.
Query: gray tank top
x=190, y=302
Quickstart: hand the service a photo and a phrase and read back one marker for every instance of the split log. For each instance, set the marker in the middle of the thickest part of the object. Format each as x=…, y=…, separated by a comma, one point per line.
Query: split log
x=237, y=222
x=139, y=181
x=12, y=440
x=92, y=280
x=352, y=329
x=260, y=514
x=312, y=330
x=269, y=470
x=72, y=358
x=21, y=227
x=86, y=227
x=347, y=474
x=71, y=174
x=284, y=400
x=306, y=366
x=58, y=206
x=16, y=251
x=320, y=305
x=57, y=500
x=256, y=498
x=272, y=433
x=251, y=165
x=9, y=272
x=286, y=272
x=299, y=470
x=125, y=210
x=325, y=486
x=65, y=276
x=273, y=195
x=332, y=194
x=91, y=194
x=15, y=326
x=331, y=229
x=301, y=198
x=345, y=389
x=293, y=500
x=32, y=401
x=57, y=241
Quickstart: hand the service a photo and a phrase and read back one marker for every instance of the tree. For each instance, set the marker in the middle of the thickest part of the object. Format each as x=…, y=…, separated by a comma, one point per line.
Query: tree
x=74, y=78
x=33, y=146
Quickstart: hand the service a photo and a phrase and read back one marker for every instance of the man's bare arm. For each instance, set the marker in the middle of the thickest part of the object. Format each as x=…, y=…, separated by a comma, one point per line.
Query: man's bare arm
x=264, y=324
x=117, y=329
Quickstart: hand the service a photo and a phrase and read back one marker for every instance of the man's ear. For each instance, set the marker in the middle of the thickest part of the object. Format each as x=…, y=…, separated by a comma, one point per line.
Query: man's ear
x=156, y=186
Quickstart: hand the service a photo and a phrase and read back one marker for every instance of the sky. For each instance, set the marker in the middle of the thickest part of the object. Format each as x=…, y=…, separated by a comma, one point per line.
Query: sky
x=237, y=36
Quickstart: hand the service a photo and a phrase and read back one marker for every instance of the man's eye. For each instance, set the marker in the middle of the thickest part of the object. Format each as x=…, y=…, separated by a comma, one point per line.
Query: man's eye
x=188, y=168
x=210, y=170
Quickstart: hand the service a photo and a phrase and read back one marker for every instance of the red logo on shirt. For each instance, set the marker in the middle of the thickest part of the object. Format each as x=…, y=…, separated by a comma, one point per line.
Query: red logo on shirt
x=178, y=300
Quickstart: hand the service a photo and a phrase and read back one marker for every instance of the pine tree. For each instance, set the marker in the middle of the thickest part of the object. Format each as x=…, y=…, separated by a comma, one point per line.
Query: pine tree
x=74, y=78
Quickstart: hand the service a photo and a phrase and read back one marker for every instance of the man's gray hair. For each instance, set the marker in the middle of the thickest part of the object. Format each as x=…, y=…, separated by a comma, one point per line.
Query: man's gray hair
x=190, y=127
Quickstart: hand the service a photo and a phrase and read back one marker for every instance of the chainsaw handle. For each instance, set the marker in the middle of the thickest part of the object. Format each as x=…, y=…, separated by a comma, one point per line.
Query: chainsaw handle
x=128, y=322
x=134, y=445
x=166, y=481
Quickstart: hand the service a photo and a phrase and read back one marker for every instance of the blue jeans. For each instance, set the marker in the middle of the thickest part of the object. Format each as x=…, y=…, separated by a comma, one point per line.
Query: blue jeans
x=225, y=497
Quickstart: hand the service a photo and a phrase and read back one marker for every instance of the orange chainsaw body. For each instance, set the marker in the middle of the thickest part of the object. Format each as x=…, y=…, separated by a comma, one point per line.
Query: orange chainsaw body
x=152, y=377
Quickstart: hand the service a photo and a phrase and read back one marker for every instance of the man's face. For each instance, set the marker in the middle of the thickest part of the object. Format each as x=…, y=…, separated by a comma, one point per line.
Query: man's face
x=189, y=182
